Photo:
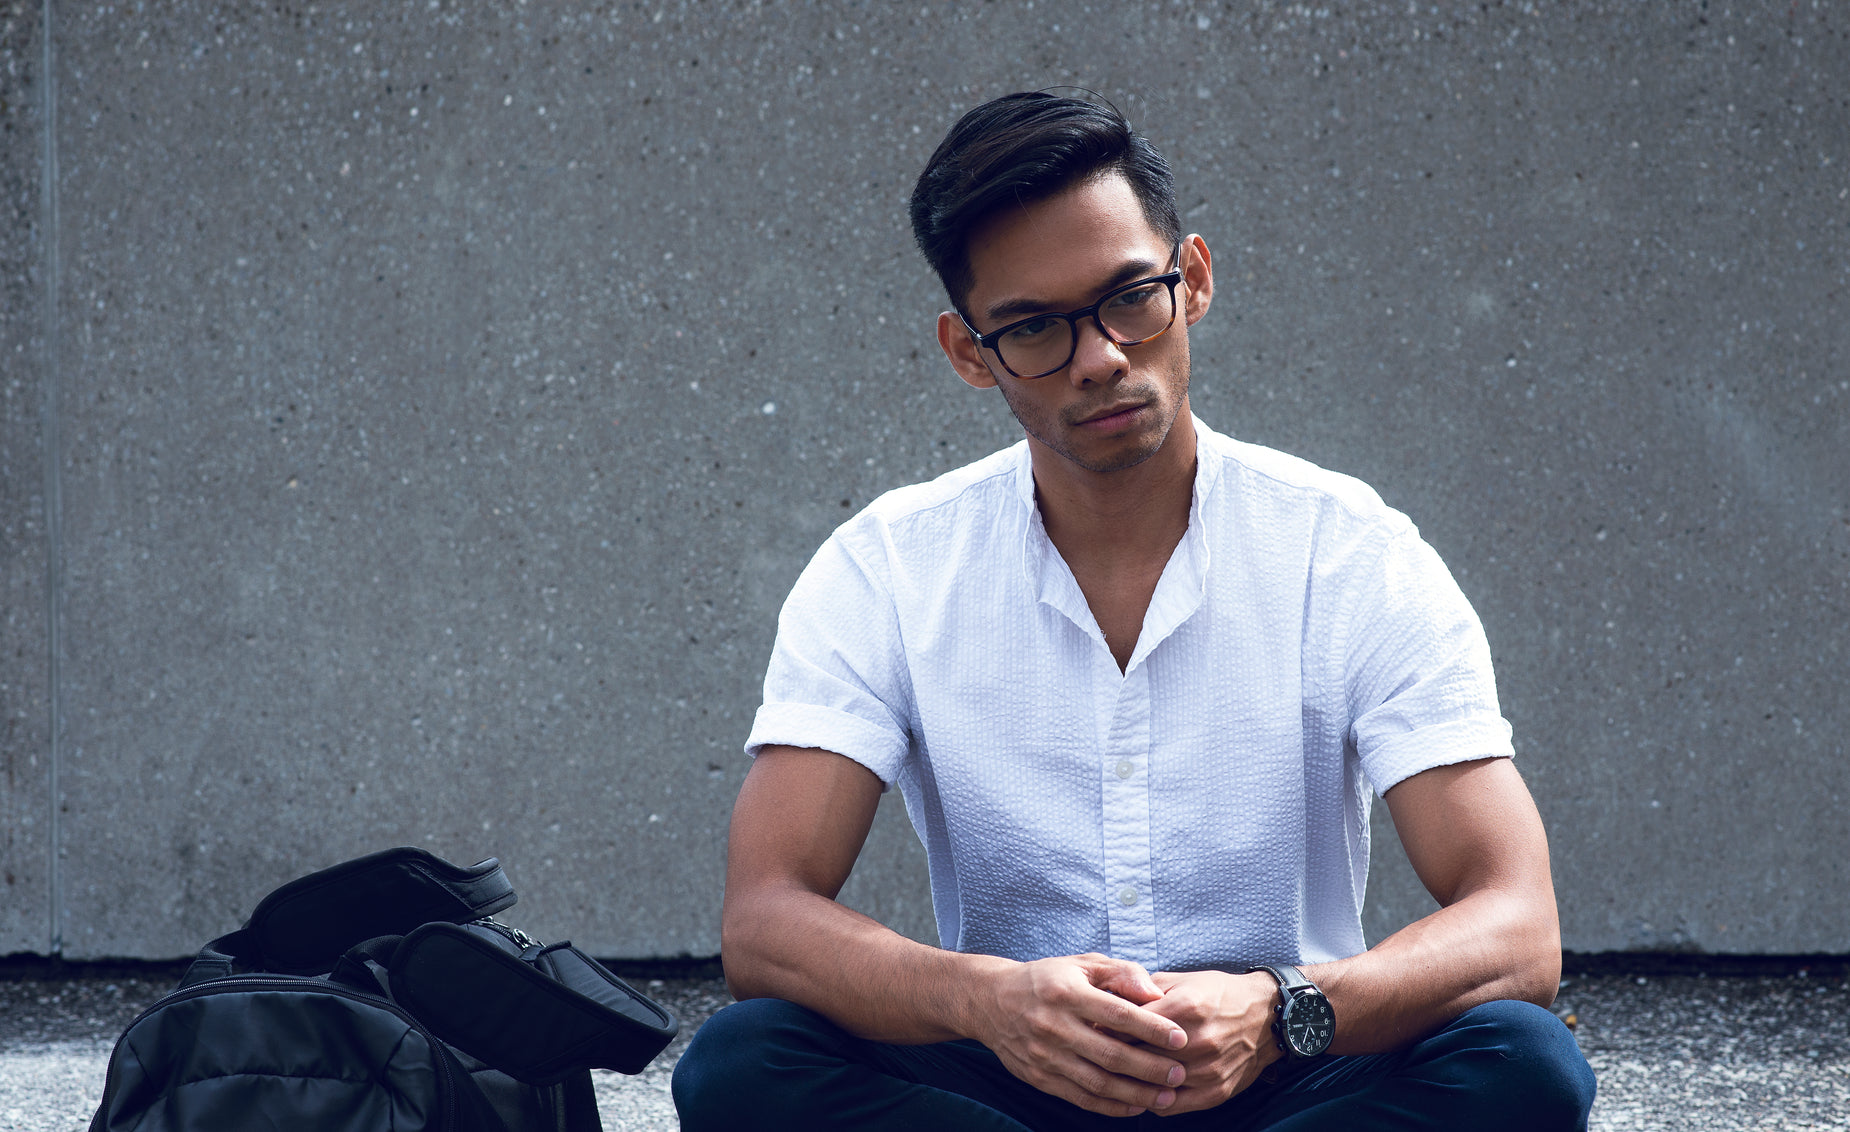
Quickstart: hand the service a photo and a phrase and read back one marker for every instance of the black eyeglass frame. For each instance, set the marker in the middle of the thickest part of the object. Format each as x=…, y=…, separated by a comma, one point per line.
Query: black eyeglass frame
x=1168, y=278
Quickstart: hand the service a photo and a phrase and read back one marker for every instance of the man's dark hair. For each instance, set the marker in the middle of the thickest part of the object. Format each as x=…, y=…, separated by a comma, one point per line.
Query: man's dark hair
x=1020, y=149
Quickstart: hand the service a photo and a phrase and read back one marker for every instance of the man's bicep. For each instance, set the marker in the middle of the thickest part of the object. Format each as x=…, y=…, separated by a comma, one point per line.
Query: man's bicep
x=800, y=820
x=1470, y=826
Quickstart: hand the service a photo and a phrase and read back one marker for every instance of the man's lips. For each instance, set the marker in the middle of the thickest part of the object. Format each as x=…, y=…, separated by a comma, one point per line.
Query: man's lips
x=1110, y=416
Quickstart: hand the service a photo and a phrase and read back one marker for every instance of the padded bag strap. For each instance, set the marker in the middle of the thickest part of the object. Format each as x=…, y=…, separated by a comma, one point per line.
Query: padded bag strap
x=537, y=1013
x=305, y=926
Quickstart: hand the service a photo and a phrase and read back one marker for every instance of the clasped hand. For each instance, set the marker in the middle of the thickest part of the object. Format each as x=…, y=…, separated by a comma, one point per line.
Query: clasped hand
x=1228, y=1020
x=1115, y=1039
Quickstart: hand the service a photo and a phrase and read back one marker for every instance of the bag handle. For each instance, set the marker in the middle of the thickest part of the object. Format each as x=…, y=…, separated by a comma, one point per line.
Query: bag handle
x=304, y=927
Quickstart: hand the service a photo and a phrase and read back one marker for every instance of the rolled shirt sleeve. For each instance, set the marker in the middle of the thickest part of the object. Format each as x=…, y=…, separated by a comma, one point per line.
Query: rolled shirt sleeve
x=1419, y=678
x=838, y=678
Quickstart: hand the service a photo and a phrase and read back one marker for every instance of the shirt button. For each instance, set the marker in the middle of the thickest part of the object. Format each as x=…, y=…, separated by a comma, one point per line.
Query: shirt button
x=1126, y=768
x=1127, y=896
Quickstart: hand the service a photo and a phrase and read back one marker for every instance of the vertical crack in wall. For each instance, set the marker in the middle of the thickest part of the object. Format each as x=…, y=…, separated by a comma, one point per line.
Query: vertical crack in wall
x=48, y=439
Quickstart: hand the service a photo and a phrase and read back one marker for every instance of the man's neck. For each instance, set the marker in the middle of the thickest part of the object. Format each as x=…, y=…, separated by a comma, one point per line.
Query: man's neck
x=1116, y=530
x=1132, y=512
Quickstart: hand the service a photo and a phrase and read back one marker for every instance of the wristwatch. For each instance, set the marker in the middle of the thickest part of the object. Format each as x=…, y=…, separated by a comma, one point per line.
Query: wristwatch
x=1304, y=1022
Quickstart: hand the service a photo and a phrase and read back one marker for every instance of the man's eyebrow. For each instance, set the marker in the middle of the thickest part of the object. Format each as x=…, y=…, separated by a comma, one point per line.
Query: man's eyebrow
x=1011, y=309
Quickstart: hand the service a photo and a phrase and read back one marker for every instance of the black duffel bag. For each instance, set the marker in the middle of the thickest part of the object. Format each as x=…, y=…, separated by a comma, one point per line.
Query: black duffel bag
x=381, y=994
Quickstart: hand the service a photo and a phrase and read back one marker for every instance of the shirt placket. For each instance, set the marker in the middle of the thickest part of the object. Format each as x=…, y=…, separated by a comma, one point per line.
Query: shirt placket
x=1130, y=905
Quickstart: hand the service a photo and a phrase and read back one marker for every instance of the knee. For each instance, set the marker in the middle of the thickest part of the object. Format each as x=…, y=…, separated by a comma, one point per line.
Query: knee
x=1537, y=1066
x=731, y=1067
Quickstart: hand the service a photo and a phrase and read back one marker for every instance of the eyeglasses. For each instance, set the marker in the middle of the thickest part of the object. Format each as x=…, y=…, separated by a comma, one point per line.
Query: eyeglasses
x=1129, y=315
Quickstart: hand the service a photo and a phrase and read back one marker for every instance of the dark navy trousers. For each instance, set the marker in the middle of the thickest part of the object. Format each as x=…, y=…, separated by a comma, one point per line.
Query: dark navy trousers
x=768, y=1064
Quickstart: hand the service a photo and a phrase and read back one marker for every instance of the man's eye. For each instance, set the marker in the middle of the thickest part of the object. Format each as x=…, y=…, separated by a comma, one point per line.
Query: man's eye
x=1135, y=297
x=1032, y=329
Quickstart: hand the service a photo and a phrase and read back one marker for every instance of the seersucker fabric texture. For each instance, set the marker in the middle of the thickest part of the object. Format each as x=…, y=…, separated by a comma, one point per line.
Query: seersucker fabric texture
x=1205, y=807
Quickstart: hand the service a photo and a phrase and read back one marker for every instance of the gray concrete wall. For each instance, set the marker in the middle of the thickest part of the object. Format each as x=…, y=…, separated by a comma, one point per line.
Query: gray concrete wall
x=413, y=414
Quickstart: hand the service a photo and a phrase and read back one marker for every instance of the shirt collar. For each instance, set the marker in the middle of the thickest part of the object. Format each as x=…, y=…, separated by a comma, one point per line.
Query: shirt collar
x=1179, y=592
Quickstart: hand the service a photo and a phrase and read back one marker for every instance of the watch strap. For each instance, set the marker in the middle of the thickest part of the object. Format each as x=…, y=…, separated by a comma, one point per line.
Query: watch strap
x=1290, y=979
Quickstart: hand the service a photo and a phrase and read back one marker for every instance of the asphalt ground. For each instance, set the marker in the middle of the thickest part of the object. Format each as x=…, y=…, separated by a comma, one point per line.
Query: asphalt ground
x=1699, y=1052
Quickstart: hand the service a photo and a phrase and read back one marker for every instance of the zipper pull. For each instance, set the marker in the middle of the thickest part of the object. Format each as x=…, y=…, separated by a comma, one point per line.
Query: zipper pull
x=519, y=938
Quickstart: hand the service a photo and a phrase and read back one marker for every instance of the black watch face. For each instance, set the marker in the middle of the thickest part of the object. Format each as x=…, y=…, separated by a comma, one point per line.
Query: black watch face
x=1309, y=1024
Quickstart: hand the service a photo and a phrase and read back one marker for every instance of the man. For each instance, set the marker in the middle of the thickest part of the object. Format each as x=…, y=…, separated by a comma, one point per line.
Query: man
x=1135, y=681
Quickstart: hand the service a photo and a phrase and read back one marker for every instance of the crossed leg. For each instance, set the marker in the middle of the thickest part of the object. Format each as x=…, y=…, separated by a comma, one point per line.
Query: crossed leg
x=768, y=1064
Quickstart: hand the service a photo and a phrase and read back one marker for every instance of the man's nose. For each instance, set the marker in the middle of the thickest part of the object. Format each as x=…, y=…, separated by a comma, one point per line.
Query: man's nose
x=1096, y=358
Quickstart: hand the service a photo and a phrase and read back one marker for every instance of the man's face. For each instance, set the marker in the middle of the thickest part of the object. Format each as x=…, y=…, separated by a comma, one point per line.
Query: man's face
x=1112, y=407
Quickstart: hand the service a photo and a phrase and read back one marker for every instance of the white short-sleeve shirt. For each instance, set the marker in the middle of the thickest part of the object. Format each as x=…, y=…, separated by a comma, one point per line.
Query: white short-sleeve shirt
x=1205, y=807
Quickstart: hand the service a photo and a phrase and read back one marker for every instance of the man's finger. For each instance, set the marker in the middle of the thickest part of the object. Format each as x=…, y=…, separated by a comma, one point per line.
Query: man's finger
x=1123, y=978
x=1126, y=1059
x=1086, y=1084
x=1135, y=1023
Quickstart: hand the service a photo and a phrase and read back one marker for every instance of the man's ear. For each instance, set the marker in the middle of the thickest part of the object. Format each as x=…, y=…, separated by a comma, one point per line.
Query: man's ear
x=1198, y=273
x=965, y=355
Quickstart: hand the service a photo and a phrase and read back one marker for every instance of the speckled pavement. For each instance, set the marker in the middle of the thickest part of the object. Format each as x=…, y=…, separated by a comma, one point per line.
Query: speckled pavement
x=1736, y=1054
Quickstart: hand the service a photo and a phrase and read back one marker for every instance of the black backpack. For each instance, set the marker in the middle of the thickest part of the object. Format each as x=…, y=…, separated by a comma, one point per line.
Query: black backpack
x=380, y=994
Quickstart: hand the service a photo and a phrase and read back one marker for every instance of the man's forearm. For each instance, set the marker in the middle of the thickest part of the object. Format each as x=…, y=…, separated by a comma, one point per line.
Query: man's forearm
x=796, y=830
x=863, y=976
x=1486, y=947
x=1474, y=837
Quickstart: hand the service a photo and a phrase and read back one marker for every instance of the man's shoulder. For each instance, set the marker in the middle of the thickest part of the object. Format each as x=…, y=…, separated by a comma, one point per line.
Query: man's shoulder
x=1253, y=474
x=935, y=531
x=974, y=489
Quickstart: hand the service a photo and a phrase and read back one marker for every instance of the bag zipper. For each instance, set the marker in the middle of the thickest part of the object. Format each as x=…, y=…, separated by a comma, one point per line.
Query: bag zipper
x=513, y=934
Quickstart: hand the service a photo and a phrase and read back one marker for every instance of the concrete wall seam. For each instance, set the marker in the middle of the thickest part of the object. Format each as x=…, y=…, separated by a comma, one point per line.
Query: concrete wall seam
x=48, y=438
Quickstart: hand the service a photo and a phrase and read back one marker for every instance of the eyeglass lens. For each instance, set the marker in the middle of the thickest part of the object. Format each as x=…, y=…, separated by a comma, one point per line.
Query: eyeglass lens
x=1042, y=345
